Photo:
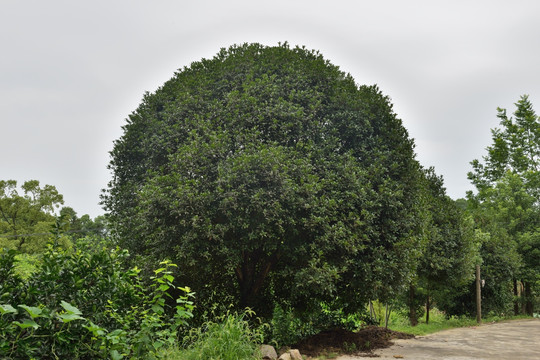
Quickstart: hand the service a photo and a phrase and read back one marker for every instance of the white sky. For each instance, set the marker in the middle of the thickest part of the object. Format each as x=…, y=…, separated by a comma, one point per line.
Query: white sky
x=72, y=71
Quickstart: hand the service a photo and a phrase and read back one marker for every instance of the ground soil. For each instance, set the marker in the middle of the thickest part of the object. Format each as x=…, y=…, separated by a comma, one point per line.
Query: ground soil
x=342, y=341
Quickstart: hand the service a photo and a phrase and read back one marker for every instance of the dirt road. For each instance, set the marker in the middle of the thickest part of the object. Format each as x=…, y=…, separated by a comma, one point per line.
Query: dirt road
x=510, y=340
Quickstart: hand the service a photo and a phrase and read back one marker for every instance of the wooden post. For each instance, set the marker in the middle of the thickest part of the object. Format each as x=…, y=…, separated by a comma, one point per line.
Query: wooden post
x=478, y=296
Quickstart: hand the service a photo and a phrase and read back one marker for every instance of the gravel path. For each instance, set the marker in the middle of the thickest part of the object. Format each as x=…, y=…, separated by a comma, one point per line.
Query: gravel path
x=512, y=340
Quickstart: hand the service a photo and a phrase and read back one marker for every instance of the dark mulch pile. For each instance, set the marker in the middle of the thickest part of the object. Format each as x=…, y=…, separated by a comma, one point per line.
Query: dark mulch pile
x=348, y=342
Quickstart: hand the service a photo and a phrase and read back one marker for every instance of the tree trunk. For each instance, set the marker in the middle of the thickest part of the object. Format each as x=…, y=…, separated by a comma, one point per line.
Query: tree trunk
x=387, y=312
x=413, y=317
x=478, y=296
x=251, y=275
x=516, y=298
x=522, y=296
x=372, y=313
x=428, y=305
x=529, y=307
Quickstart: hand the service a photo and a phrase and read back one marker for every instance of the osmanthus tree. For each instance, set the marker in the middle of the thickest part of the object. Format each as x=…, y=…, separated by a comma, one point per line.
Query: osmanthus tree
x=26, y=214
x=507, y=203
x=268, y=175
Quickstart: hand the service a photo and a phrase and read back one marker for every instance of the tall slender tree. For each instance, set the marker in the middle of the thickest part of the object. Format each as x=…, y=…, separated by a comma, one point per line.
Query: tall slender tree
x=507, y=201
x=449, y=249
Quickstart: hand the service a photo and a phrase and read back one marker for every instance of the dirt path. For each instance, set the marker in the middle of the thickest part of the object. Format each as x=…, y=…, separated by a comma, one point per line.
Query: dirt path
x=510, y=340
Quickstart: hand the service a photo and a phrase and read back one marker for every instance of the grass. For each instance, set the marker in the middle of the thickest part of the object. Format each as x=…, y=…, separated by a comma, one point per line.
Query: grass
x=230, y=338
x=438, y=322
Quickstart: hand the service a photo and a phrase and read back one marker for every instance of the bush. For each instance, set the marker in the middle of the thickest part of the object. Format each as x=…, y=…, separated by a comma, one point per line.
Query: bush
x=288, y=326
x=86, y=305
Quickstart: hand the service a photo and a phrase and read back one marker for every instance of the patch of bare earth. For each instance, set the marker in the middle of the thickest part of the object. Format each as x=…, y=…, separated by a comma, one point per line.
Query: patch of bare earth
x=342, y=341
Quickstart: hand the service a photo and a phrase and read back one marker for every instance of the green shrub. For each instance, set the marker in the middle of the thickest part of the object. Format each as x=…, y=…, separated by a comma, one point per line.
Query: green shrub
x=285, y=327
x=94, y=280
x=40, y=332
x=288, y=327
x=149, y=326
x=86, y=305
x=11, y=283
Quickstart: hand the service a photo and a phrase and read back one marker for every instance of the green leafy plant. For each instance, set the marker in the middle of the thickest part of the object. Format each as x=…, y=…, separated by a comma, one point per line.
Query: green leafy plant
x=149, y=326
x=84, y=304
x=28, y=331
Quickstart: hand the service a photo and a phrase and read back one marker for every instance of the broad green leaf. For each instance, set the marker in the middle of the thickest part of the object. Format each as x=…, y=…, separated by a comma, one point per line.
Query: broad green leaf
x=70, y=317
x=70, y=308
x=115, y=355
x=95, y=330
x=7, y=309
x=26, y=324
x=33, y=311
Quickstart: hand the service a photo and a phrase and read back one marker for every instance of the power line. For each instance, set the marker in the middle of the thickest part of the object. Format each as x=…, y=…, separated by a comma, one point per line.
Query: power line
x=42, y=234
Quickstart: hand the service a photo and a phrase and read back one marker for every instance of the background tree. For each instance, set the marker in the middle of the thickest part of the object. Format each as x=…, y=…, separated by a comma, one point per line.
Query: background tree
x=269, y=175
x=507, y=202
x=84, y=226
x=25, y=219
x=449, y=250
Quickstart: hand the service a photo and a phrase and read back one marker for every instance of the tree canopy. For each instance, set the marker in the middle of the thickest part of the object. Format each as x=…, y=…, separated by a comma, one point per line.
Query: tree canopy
x=268, y=174
x=25, y=218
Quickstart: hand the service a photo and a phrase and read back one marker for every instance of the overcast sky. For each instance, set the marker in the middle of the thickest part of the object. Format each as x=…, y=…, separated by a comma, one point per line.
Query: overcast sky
x=72, y=71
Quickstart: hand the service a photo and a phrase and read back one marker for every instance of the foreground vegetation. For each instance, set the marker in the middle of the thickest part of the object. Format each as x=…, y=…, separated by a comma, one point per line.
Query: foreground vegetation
x=83, y=303
x=86, y=303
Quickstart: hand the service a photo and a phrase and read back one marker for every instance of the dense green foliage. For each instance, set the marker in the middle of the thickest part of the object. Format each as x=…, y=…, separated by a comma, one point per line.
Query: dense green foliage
x=84, y=304
x=271, y=177
x=507, y=209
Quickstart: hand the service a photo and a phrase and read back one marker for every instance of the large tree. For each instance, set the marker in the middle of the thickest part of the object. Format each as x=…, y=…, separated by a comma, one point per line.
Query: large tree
x=507, y=203
x=267, y=173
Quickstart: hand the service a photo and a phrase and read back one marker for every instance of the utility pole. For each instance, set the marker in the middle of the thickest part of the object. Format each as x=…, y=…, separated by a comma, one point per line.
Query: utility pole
x=478, y=296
